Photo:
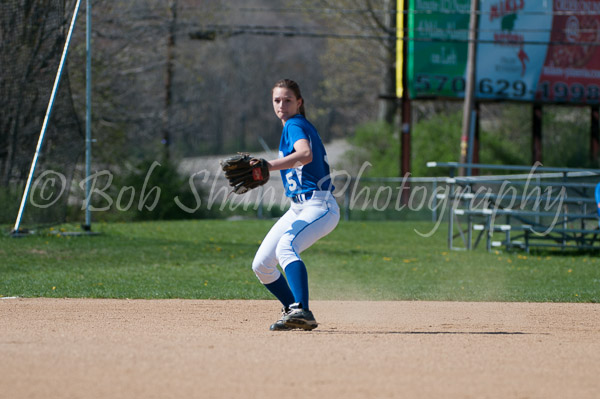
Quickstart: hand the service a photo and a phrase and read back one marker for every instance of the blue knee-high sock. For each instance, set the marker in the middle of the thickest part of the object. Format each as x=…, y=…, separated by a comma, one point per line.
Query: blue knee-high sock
x=298, y=279
x=281, y=290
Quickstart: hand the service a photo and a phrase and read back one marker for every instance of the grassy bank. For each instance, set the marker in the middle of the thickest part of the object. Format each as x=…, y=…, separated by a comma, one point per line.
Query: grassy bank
x=211, y=259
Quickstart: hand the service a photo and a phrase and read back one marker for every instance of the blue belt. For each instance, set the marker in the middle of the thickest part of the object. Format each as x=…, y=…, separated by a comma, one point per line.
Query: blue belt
x=298, y=199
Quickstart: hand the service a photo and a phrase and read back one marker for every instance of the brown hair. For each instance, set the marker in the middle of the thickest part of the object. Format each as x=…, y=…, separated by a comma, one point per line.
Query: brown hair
x=293, y=86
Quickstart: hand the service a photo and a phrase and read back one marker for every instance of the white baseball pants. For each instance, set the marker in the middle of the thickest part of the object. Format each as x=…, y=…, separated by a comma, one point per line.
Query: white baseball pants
x=299, y=228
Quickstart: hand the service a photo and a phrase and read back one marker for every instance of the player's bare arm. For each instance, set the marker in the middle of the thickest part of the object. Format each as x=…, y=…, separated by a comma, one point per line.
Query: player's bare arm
x=302, y=155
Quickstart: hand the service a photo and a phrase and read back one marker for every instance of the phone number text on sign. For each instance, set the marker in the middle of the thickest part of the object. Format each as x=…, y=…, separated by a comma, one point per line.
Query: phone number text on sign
x=565, y=92
x=438, y=85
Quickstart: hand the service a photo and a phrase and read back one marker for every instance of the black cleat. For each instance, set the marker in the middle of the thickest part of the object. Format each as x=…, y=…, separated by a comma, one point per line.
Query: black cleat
x=297, y=317
x=280, y=325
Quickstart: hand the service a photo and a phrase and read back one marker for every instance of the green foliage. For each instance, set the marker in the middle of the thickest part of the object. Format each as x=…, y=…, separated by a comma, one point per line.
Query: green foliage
x=211, y=259
x=566, y=137
x=435, y=139
x=376, y=143
x=157, y=186
x=438, y=139
x=10, y=200
x=505, y=138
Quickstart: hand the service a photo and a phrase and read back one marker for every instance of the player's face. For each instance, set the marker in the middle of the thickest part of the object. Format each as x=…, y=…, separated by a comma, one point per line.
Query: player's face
x=285, y=103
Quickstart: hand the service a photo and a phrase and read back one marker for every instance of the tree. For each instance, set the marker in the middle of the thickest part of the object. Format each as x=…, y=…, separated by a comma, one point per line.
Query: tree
x=354, y=67
x=32, y=38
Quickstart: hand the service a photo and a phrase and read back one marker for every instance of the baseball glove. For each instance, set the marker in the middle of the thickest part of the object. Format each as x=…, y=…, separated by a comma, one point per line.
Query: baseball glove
x=245, y=172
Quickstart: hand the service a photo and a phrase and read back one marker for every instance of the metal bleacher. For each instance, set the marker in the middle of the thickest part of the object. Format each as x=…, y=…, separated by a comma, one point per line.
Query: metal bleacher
x=546, y=207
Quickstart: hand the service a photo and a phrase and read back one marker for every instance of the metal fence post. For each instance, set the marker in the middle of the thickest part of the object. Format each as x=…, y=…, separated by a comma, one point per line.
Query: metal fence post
x=347, y=203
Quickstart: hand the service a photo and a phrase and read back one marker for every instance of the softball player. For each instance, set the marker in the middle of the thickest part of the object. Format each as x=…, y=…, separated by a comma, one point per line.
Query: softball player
x=313, y=213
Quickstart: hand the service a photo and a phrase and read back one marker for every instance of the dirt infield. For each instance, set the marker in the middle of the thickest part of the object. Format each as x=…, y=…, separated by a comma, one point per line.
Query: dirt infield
x=81, y=348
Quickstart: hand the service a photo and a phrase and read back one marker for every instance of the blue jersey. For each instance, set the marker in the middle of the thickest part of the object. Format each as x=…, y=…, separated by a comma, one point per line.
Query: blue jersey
x=313, y=175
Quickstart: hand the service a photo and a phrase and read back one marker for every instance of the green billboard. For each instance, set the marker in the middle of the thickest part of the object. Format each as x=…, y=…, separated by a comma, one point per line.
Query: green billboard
x=437, y=47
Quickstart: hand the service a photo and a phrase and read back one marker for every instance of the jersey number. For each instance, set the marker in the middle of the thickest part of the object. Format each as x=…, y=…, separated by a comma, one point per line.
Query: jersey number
x=292, y=185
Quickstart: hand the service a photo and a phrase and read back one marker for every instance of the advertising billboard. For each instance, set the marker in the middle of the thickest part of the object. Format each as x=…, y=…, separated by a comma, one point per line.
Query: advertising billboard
x=437, y=47
x=571, y=69
x=527, y=50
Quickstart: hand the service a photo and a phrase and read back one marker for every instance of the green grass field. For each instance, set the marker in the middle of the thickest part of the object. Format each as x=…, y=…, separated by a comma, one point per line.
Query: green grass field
x=212, y=258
